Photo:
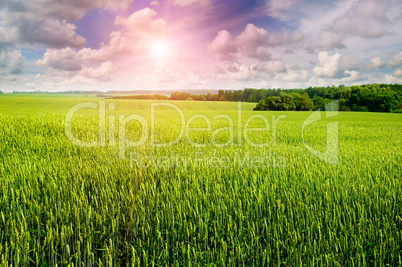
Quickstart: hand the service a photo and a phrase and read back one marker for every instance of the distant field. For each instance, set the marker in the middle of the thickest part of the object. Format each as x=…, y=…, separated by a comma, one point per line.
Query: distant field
x=55, y=103
x=108, y=189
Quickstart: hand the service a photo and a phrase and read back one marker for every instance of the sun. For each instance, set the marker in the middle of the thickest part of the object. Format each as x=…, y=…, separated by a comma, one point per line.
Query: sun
x=160, y=49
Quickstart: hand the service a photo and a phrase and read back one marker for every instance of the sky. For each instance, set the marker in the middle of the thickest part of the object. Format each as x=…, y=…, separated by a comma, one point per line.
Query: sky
x=59, y=45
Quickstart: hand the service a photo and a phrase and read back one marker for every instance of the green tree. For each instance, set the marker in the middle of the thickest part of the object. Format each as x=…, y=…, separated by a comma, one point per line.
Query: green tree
x=287, y=102
x=320, y=103
x=296, y=97
x=305, y=103
x=383, y=103
x=260, y=105
x=272, y=102
x=282, y=102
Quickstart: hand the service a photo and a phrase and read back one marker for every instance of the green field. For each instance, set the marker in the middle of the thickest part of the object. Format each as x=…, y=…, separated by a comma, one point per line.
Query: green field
x=215, y=196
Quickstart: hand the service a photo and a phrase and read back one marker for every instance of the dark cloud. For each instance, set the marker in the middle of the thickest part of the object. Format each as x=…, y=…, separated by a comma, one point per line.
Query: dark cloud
x=11, y=61
x=47, y=22
x=62, y=9
x=27, y=29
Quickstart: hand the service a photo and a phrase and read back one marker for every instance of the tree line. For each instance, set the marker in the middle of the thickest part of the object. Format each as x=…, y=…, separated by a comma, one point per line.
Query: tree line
x=176, y=96
x=370, y=97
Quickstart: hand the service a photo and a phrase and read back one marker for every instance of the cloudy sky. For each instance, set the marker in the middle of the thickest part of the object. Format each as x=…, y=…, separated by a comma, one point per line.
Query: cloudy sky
x=189, y=44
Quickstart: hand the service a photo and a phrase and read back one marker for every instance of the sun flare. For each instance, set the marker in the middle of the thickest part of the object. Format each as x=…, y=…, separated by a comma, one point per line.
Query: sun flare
x=160, y=49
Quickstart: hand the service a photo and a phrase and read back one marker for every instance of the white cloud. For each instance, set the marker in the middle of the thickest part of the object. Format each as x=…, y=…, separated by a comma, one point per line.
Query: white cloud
x=11, y=62
x=356, y=26
x=223, y=46
x=154, y=3
x=6, y=37
x=392, y=79
x=87, y=65
x=281, y=9
x=292, y=75
x=366, y=20
x=254, y=55
x=240, y=72
x=354, y=63
x=373, y=9
x=285, y=38
x=252, y=37
x=119, y=45
x=141, y=25
x=252, y=42
x=326, y=41
x=163, y=74
x=329, y=65
x=102, y=72
x=126, y=42
x=61, y=59
x=184, y=3
x=270, y=67
x=396, y=61
x=398, y=73
x=259, y=73
x=314, y=21
x=167, y=76
x=377, y=62
x=352, y=76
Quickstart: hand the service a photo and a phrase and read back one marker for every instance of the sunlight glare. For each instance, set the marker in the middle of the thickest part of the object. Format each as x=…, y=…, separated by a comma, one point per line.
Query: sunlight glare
x=160, y=49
